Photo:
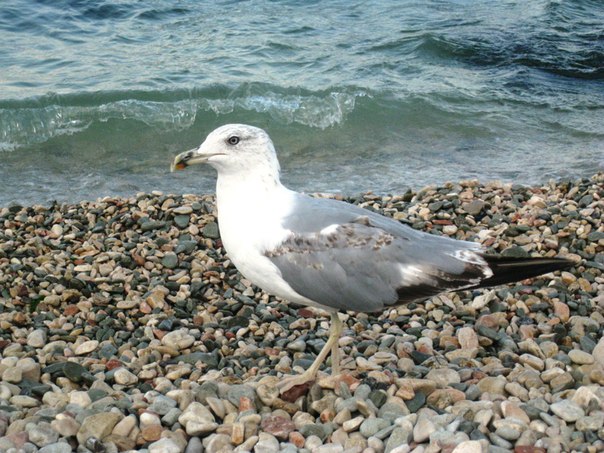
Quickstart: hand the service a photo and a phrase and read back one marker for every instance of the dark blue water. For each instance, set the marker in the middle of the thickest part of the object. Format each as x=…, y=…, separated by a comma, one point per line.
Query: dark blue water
x=97, y=96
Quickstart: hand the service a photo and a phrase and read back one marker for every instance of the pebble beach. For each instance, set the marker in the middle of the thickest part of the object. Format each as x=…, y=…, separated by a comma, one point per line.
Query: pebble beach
x=124, y=327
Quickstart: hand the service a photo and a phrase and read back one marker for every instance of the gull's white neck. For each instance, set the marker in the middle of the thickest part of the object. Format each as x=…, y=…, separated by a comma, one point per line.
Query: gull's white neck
x=242, y=190
x=250, y=213
x=250, y=210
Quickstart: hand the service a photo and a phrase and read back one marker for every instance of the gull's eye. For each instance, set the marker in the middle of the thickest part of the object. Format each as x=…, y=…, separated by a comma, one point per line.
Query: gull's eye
x=233, y=140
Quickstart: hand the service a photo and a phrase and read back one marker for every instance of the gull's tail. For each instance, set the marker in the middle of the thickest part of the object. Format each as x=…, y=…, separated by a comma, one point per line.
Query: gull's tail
x=509, y=270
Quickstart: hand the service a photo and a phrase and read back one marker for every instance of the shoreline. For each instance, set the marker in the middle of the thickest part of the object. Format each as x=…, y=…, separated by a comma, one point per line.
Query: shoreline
x=168, y=346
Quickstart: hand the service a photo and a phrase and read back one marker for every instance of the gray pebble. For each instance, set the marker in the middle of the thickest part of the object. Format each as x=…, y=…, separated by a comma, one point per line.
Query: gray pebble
x=211, y=230
x=399, y=436
x=182, y=221
x=59, y=447
x=567, y=410
x=371, y=426
x=42, y=434
x=392, y=411
x=314, y=429
x=170, y=260
x=194, y=445
x=171, y=416
x=236, y=392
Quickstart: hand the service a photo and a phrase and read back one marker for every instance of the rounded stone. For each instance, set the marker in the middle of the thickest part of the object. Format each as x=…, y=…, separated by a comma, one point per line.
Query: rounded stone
x=197, y=419
x=124, y=377
x=371, y=426
x=12, y=375
x=598, y=352
x=164, y=445
x=98, y=426
x=59, y=447
x=469, y=446
x=492, y=384
x=580, y=357
x=24, y=401
x=37, y=338
x=567, y=410
x=42, y=434
x=86, y=347
x=74, y=371
x=178, y=339
x=64, y=425
x=170, y=260
x=194, y=446
x=443, y=376
x=278, y=426
x=80, y=398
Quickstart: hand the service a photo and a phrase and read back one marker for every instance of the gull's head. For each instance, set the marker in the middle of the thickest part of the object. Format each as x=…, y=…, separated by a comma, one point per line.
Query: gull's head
x=235, y=149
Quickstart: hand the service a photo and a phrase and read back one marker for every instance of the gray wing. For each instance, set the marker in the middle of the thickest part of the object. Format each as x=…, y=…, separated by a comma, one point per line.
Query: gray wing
x=366, y=262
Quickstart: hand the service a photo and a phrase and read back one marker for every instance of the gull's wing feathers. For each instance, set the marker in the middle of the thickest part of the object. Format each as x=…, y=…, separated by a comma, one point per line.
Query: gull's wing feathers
x=311, y=215
x=349, y=258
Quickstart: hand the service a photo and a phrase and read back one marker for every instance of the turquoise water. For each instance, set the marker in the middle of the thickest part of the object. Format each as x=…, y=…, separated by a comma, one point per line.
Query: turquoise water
x=97, y=96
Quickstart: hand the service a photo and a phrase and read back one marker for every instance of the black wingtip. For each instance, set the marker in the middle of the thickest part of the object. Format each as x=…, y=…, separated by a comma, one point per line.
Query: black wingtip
x=509, y=270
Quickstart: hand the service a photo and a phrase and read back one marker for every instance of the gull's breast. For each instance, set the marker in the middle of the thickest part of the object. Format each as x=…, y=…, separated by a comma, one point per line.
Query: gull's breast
x=250, y=228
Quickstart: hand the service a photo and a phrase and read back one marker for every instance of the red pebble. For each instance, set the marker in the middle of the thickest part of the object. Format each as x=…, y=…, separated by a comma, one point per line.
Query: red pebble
x=279, y=426
x=71, y=310
x=306, y=313
x=245, y=404
x=297, y=439
x=296, y=392
x=529, y=449
x=113, y=363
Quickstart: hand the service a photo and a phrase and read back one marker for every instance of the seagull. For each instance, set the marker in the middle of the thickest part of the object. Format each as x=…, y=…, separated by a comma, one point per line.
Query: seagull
x=331, y=254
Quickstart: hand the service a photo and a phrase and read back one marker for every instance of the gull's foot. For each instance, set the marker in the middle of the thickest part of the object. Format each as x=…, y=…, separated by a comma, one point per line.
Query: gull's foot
x=309, y=376
x=333, y=381
x=304, y=380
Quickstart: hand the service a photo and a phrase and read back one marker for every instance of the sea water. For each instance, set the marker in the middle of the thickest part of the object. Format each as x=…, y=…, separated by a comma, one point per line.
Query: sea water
x=96, y=97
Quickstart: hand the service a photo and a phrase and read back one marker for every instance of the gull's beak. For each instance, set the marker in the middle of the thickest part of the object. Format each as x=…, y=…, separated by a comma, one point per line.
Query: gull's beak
x=191, y=157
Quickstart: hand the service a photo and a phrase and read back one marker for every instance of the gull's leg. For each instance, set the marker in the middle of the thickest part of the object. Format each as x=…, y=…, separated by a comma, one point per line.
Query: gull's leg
x=335, y=353
x=309, y=375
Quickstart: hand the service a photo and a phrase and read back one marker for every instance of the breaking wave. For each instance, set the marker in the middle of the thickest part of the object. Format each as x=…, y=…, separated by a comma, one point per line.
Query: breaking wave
x=38, y=120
